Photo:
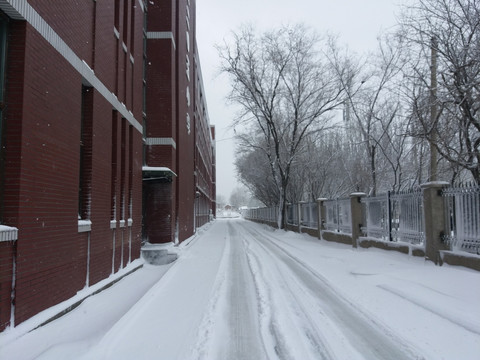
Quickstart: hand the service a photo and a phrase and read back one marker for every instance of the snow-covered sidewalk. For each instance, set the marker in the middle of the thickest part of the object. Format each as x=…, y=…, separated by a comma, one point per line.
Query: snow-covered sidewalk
x=241, y=290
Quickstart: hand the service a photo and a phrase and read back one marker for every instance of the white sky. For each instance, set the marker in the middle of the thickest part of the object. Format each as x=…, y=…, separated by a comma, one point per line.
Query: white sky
x=357, y=22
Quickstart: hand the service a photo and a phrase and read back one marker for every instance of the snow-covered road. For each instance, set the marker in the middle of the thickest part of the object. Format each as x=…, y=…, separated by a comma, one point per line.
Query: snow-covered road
x=241, y=290
x=325, y=325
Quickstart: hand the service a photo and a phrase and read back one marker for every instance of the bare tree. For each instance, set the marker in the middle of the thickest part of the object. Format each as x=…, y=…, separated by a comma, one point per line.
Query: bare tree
x=449, y=29
x=374, y=113
x=286, y=87
x=254, y=172
x=239, y=197
x=324, y=171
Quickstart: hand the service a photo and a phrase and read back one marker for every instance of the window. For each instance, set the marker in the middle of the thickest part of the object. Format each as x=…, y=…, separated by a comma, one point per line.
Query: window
x=3, y=53
x=125, y=20
x=123, y=155
x=130, y=171
x=117, y=14
x=85, y=176
x=3, y=60
x=113, y=184
x=132, y=28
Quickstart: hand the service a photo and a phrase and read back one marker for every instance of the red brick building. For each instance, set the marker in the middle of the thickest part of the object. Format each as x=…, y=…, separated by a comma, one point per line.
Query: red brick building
x=179, y=154
x=78, y=113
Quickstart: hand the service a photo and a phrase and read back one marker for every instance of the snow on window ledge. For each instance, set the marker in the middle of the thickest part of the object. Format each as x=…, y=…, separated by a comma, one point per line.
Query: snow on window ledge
x=113, y=224
x=8, y=233
x=122, y=223
x=129, y=222
x=84, y=225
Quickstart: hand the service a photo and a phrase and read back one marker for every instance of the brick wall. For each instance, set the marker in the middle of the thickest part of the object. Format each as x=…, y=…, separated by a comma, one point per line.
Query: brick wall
x=42, y=162
x=171, y=113
x=185, y=133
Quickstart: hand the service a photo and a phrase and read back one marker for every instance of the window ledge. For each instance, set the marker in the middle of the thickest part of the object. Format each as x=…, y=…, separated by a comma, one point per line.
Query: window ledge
x=113, y=224
x=122, y=223
x=8, y=233
x=84, y=225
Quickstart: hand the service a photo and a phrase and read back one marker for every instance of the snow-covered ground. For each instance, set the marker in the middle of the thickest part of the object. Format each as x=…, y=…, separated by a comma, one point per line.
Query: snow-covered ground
x=241, y=290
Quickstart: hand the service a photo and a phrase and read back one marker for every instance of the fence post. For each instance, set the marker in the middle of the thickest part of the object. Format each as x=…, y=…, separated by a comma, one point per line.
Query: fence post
x=322, y=215
x=357, y=216
x=434, y=216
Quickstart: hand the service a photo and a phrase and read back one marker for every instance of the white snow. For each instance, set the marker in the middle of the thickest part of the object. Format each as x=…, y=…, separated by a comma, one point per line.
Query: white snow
x=241, y=290
x=8, y=233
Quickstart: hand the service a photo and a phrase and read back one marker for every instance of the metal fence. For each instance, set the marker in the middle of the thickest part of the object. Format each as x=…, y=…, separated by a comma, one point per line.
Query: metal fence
x=395, y=217
x=309, y=215
x=292, y=214
x=376, y=217
x=407, y=220
x=392, y=217
x=338, y=215
x=462, y=205
x=263, y=214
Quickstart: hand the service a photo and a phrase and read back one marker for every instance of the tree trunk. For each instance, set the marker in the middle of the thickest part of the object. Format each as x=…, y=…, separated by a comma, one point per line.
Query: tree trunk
x=282, y=209
x=373, y=171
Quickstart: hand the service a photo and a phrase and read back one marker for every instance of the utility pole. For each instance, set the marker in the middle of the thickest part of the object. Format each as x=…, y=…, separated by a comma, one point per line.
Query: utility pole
x=433, y=111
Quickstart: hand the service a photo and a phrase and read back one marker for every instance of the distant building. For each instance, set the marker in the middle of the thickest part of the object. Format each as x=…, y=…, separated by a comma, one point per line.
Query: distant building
x=94, y=116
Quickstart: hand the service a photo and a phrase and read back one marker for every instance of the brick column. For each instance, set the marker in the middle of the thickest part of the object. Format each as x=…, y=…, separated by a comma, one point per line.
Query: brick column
x=357, y=216
x=322, y=215
x=434, y=216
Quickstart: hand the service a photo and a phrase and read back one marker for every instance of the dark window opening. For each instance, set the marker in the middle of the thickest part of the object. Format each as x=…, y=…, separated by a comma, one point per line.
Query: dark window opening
x=113, y=184
x=123, y=168
x=125, y=20
x=3, y=62
x=130, y=171
x=117, y=15
x=85, y=176
x=132, y=28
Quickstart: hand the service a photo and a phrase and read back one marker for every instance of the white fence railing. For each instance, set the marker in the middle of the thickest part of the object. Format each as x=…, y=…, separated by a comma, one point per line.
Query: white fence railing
x=395, y=217
x=338, y=216
x=309, y=215
x=376, y=217
x=462, y=205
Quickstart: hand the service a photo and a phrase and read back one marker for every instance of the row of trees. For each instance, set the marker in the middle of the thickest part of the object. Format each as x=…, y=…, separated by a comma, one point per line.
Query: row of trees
x=317, y=120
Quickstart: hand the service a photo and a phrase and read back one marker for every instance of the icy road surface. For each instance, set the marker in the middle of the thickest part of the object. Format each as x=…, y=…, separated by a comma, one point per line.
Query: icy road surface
x=241, y=290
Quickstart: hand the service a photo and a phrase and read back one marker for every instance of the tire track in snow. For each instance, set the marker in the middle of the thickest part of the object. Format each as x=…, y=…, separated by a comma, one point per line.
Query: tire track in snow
x=229, y=328
x=272, y=339
x=367, y=336
x=242, y=311
x=282, y=311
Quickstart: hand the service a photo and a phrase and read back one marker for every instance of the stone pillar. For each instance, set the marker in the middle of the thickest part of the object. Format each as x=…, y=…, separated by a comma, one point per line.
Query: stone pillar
x=322, y=215
x=434, y=217
x=357, y=216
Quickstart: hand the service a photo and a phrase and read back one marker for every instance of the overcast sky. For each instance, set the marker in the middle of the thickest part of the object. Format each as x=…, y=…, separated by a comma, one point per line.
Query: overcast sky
x=356, y=22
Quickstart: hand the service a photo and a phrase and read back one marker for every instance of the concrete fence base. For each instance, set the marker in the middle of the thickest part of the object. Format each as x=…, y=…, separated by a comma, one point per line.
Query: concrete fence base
x=336, y=237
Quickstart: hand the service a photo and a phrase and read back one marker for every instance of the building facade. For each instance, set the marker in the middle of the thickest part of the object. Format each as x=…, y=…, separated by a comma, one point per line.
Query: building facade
x=179, y=143
x=75, y=144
